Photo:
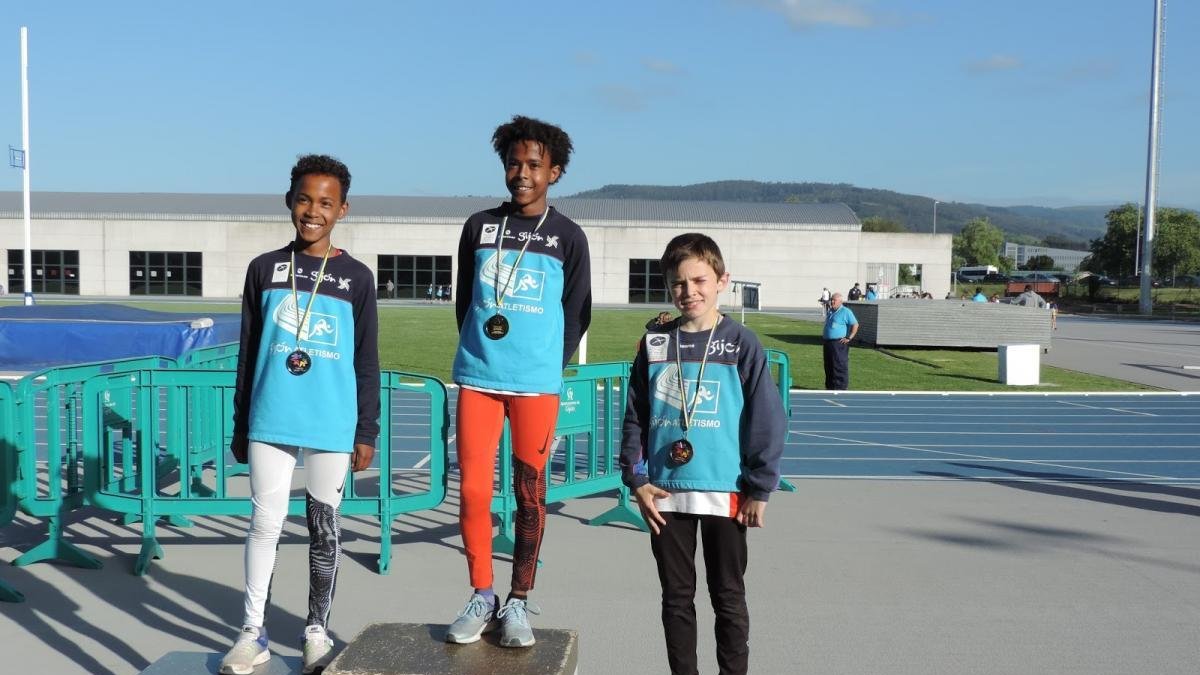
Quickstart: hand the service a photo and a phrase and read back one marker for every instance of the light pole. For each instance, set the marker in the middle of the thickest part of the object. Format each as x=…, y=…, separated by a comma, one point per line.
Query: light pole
x=935, y=203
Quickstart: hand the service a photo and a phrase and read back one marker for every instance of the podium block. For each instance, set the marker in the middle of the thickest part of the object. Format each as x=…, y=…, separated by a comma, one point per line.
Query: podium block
x=421, y=649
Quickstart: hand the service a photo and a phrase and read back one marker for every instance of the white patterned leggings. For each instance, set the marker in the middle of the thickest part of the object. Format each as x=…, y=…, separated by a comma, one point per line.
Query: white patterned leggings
x=271, y=470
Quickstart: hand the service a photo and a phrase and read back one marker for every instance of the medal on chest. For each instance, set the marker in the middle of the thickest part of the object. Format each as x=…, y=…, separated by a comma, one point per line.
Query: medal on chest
x=496, y=327
x=682, y=451
x=299, y=361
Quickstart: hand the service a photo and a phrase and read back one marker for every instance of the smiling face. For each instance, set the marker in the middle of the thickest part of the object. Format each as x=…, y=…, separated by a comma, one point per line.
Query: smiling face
x=316, y=204
x=695, y=287
x=529, y=171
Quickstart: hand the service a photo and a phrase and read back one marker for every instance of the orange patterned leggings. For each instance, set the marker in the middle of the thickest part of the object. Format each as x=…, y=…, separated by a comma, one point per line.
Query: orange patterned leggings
x=479, y=425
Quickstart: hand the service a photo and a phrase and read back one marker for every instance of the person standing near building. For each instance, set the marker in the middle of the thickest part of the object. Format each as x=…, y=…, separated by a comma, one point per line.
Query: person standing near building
x=703, y=435
x=855, y=293
x=840, y=328
x=871, y=296
x=824, y=301
x=307, y=385
x=979, y=296
x=524, y=301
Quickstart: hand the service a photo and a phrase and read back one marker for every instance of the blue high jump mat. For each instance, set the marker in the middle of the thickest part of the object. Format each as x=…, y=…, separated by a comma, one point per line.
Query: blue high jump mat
x=43, y=336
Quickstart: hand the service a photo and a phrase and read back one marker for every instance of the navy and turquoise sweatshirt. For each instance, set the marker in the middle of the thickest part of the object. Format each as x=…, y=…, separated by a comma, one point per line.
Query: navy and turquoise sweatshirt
x=336, y=403
x=737, y=429
x=548, y=302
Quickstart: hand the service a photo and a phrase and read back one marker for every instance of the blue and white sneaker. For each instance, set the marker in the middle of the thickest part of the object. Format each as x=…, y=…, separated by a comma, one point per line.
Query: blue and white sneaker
x=477, y=618
x=248, y=651
x=514, y=622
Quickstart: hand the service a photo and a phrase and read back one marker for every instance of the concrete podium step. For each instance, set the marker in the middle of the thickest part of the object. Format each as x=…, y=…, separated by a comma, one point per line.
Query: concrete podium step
x=421, y=649
x=207, y=663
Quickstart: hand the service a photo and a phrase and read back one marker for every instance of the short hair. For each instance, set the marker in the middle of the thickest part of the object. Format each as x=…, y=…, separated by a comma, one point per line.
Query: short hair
x=691, y=245
x=979, y=289
x=1028, y=287
x=323, y=165
x=551, y=138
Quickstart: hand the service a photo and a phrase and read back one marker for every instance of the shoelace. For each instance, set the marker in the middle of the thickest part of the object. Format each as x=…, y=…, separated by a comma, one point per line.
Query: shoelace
x=476, y=607
x=518, y=608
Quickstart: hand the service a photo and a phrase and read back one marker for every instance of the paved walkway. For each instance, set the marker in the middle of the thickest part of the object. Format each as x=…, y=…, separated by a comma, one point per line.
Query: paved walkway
x=848, y=577
x=1148, y=352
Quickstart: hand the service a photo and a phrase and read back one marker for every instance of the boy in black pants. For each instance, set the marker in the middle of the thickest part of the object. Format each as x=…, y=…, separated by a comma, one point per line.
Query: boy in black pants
x=703, y=433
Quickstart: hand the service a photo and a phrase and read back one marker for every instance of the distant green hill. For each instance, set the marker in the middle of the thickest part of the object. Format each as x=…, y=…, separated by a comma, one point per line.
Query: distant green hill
x=1071, y=227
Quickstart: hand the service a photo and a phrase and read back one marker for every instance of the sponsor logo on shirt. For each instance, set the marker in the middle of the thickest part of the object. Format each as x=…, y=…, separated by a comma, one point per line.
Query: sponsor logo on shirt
x=656, y=346
x=280, y=273
x=488, y=234
x=524, y=283
x=318, y=328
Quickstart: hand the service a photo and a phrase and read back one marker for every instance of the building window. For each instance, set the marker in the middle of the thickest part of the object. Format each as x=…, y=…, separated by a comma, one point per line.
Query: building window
x=646, y=281
x=53, y=271
x=414, y=276
x=166, y=272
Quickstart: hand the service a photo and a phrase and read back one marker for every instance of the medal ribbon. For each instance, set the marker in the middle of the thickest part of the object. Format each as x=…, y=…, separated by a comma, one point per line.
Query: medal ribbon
x=501, y=292
x=295, y=296
x=687, y=414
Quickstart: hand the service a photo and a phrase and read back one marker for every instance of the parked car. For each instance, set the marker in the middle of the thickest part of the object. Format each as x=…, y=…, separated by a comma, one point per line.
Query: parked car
x=995, y=278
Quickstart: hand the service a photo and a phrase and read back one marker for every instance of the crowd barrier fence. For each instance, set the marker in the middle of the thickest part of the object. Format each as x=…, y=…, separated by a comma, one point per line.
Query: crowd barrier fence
x=8, y=473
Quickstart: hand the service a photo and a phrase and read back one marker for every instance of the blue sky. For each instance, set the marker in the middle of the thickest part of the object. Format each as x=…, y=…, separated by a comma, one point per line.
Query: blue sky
x=1000, y=102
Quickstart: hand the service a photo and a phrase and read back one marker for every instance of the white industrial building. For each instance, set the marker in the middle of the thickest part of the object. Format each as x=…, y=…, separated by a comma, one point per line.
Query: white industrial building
x=199, y=244
x=1064, y=258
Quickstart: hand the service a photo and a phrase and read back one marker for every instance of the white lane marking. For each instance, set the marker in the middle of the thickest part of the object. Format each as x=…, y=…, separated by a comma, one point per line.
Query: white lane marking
x=423, y=462
x=971, y=456
x=840, y=405
x=1131, y=412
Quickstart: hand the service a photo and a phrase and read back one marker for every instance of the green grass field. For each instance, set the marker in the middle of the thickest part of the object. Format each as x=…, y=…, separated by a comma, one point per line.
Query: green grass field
x=423, y=339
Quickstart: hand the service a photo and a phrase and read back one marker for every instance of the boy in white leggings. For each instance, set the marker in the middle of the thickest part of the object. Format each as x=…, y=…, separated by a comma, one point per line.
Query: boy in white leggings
x=307, y=384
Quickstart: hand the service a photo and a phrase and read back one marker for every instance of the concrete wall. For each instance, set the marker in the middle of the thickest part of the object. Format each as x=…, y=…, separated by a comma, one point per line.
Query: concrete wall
x=792, y=264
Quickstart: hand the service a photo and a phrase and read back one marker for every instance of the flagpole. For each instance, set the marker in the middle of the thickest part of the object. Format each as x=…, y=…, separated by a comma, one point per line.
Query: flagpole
x=28, y=267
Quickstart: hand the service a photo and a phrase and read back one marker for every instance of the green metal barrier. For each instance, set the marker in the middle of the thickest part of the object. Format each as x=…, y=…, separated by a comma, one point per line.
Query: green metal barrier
x=217, y=357
x=8, y=472
x=181, y=403
x=781, y=368
x=53, y=489
x=591, y=405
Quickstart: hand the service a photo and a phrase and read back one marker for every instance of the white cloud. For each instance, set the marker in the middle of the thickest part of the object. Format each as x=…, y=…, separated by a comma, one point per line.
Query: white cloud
x=994, y=63
x=622, y=98
x=661, y=66
x=811, y=13
x=585, y=58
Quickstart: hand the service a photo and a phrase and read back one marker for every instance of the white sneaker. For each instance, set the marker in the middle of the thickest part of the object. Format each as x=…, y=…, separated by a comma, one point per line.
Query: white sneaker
x=248, y=651
x=318, y=650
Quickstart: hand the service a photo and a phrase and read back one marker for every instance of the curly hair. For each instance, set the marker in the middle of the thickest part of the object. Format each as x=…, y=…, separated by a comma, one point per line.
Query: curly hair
x=691, y=245
x=550, y=137
x=323, y=165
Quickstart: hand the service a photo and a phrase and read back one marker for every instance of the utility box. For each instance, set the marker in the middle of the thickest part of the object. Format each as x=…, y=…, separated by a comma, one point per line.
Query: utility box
x=1020, y=364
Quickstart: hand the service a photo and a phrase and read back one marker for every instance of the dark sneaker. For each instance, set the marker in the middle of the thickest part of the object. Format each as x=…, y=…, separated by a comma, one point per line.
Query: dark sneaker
x=514, y=623
x=248, y=651
x=477, y=618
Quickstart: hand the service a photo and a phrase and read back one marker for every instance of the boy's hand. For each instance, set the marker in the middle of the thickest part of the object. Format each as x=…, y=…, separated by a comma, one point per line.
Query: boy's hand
x=752, y=513
x=645, y=496
x=240, y=447
x=362, y=456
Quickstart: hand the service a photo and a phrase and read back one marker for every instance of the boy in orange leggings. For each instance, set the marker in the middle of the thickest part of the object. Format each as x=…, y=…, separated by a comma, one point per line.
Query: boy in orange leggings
x=524, y=301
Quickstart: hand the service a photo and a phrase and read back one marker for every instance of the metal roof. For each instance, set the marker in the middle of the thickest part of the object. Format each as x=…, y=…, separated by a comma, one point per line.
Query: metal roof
x=241, y=207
